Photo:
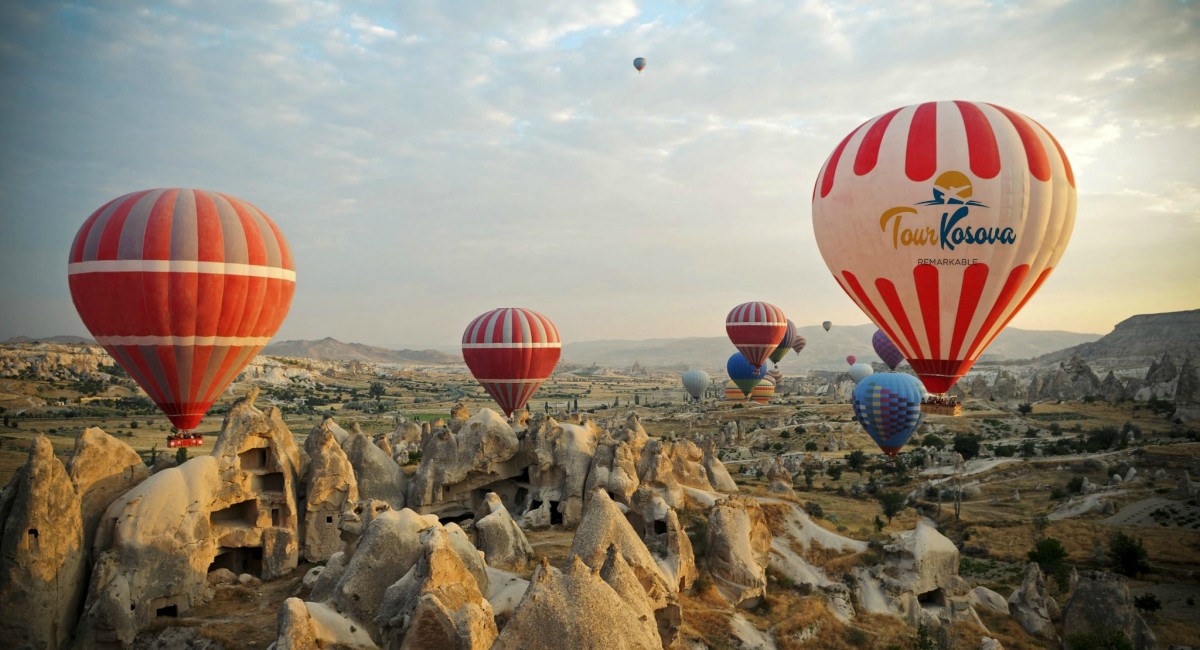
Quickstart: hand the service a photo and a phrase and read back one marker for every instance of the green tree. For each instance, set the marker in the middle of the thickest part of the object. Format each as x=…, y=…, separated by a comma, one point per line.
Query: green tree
x=809, y=473
x=933, y=440
x=637, y=399
x=967, y=444
x=1025, y=408
x=1147, y=603
x=1051, y=556
x=808, y=446
x=378, y=389
x=892, y=503
x=181, y=455
x=834, y=472
x=1128, y=555
x=856, y=461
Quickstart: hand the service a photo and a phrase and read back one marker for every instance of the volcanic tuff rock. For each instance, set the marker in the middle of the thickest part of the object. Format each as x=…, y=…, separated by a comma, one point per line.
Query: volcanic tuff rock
x=453, y=465
x=739, y=544
x=1140, y=339
x=437, y=604
x=618, y=574
x=42, y=563
x=502, y=541
x=779, y=477
x=1031, y=604
x=633, y=434
x=1102, y=601
x=560, y=456
x=235, y=509
x=718, y=476
x=687, y=464
x=331, y=489
x=656, y=472
x=378, y=476
x=548, y=617
x=614, y=469
x=1187, y=393
x=102, y=469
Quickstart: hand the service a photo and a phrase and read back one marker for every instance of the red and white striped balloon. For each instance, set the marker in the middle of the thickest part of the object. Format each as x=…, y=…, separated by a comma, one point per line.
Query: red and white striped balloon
x=182, y=287
x=511, y=351
x=941, y=220
x=756, y=328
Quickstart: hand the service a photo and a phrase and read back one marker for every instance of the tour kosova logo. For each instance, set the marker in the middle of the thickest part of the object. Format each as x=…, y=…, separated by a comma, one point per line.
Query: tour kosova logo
x=943, y=223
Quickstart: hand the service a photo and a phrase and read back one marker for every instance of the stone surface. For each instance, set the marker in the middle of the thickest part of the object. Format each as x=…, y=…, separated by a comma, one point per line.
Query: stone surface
x=502, y=541
x=1101, y=601
x=1030, y=604
x=718, y=475
x=656, y=472
x=453, y=465
x=616, y=572
x=988, y=599
x=549, y=614
x=102, y=469
x=42, y=560
x=331, y=489
x=738, y=543
x=614, y=469
x=377, y=474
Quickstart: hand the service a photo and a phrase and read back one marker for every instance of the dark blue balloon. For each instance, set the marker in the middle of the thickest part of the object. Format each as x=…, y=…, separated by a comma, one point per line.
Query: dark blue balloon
x=888, y=406
x=886, y=350
x=743, y=374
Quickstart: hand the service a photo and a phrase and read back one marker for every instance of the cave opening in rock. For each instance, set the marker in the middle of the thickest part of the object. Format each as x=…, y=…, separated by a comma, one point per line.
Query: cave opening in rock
x=456, y=518
x=169, y=610
x=244, y=513
x=253, y=458
x=933, y=597
x=556, y=517
x=660, y=527
x=239, y=560
x=272, y=482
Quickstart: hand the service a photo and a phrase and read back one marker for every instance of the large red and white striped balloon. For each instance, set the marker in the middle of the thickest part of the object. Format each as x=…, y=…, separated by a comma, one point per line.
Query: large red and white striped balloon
x=511, y=351
x=182, y=287
x=756, y=328
x=941, y=220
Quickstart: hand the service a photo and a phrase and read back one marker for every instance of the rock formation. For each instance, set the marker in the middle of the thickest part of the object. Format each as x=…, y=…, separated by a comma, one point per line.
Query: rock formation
x=718, y=476
x=738, y=543
x=656, y=472
x=779, y=478
x=560, y=457
x=1031, y=604
x=1101, y=601
x=548, y=615
x=500, y=538
x=614, y=469
x=377, y=474
x=234, y=509
x=454, y=465
x=42, y=561
x=102, y=469
x=1187, y=393
x=331, y=489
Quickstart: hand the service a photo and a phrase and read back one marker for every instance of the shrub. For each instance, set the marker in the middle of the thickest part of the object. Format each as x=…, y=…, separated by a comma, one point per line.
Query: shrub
x=810, y=446
x=967, y=444
x=1075, y=485
x=1051, y=556
x=1147, y=603
x=1108, y=639
x=1025, y=408
x=814, y=509
x=1128, y=556
x=892, y=503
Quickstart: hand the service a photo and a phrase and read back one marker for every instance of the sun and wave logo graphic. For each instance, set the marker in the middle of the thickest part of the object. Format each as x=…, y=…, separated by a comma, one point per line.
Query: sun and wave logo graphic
x=953, y=191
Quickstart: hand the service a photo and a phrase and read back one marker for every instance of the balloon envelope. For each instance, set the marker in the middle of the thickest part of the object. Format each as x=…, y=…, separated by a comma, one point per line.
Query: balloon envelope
x=182, y=287
x=695, y=382
x=510, y=352
x=940, y=220
x=733, y=392
x=785, y=344
x=888, y=406
x=639, y=63
x=756, y=329
x=798, y=343
x=861, y=371
x=827, y=324
x=743, y=374
x=850, y=359
x=886, y=349
x=763, y=392
x=775, y=375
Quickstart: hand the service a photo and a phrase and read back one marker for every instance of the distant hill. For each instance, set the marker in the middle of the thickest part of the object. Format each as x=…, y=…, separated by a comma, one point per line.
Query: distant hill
x=330, y=349
x=61, y=340
x=1139, y=340
x=824, y=351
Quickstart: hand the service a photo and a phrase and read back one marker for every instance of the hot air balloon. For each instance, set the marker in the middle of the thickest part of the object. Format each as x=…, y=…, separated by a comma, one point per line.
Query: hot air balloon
x=511, y=351
x=851, y=359
x=860, y=371
x=785, y=344
x=756, y=329
x=743, y=374
x=798, y=343
x=775, y=375
x=886, y=349
x=763, y=392
x=888, y=406
x=827, y=324
x=941, y=220
x=639, y=63
x=695, y=382
x=182, y=287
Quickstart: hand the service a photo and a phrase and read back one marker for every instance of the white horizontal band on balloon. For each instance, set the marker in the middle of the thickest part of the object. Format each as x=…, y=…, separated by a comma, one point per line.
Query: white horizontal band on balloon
x=748, y=324
x=483, y=346
x=180, y=266
x=216, y=341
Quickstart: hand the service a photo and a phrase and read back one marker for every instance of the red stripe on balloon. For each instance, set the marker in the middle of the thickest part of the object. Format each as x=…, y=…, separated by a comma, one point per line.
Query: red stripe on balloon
x=890, y=298
x=831, y=165
x=1015, y=278
x=920, y=161
x=981, y=141
x=1061, y=154
x=1035, y=153
x=868, y=149
x=856, y=292
x=82, y=236
x=157, y=242
x=110, y=238
x=925, y=276
x=974, y=279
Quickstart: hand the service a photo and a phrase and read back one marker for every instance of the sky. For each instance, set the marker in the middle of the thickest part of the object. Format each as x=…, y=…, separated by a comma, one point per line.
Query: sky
x=431, y=160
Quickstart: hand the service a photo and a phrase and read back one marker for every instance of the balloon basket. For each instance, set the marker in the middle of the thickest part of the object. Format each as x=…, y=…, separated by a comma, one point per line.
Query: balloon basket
x=938, y=408
x=180, y=441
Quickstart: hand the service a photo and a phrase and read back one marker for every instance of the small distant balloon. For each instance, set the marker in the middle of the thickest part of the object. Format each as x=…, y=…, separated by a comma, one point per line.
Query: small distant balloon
x=798, y=343
x=639, y=63
x=827, y=324
x=695, y=382
x=851, y=359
